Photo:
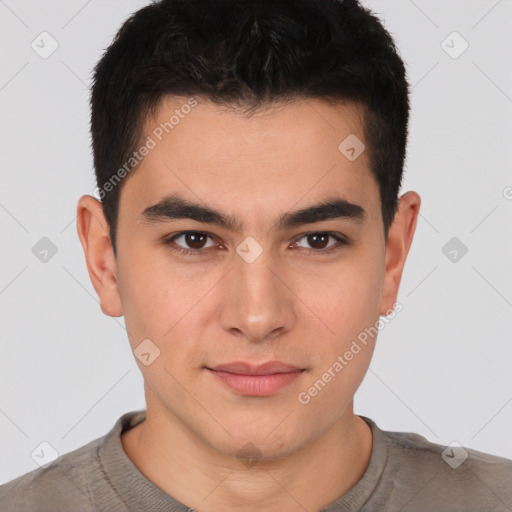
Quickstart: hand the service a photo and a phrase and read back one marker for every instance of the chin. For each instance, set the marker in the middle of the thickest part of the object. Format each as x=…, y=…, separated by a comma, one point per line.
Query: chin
x=254, y=443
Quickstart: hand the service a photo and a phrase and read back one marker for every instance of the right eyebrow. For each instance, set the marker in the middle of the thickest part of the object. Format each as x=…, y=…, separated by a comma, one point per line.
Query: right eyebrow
x=174, y=206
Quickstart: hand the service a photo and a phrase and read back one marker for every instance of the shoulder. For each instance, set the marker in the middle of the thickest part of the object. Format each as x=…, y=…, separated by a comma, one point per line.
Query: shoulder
x=447, y=457
x=449, y=477
x=77, y=480
x=62, y=483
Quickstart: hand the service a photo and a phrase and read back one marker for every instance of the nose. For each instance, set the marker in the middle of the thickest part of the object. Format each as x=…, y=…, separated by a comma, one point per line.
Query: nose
x=259, y=304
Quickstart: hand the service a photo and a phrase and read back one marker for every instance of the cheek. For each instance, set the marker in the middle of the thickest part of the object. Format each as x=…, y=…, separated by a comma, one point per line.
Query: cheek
x=161, y=306
x=349, y=306
x=150, y=296
x=346, y=298
x=164, y=303
x=346, y=301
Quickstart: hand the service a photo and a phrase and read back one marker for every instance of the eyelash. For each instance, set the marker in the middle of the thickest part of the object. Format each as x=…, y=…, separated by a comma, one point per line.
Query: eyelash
x=341, y=242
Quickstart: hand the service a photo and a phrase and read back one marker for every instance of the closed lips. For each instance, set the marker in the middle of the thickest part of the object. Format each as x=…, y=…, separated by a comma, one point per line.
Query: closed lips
x=269, y=368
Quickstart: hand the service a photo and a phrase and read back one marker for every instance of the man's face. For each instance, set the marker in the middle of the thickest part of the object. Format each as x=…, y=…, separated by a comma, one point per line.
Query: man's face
x=302, y=301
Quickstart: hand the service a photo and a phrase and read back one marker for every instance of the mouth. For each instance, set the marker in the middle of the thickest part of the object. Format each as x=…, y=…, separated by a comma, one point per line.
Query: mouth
x=249, y=380
x=244, y=368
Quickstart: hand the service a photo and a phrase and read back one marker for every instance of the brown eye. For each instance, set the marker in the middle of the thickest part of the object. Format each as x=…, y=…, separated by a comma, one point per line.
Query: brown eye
x=191, y=242
x=318, y=242
x=195, y=240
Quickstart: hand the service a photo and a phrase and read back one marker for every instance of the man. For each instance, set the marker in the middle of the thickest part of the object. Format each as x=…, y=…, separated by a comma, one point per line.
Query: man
x=249, y=156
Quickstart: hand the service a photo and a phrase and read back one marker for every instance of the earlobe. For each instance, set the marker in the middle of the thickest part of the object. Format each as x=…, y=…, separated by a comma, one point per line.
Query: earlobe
x=93, y=232
x=399, y=241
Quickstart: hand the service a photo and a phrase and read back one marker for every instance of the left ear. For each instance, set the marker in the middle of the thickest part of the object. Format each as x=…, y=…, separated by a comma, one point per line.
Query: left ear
x=401, y=233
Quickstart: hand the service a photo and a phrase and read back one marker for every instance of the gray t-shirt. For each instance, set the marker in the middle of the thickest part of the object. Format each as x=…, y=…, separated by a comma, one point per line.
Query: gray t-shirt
x=406, y=473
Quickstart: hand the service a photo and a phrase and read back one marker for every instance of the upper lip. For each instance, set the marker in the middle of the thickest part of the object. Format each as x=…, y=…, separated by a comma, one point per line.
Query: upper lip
x=243, y=368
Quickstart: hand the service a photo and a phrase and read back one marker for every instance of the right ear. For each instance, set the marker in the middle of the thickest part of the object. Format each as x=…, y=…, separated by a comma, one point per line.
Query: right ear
x=93, y=231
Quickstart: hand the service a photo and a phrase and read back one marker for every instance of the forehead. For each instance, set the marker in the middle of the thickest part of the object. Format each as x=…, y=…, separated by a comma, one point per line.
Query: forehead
x=300, y=118
x=283, y=156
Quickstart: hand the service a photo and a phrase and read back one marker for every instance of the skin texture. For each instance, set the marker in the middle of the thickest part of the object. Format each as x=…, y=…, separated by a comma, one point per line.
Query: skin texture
x=288, y=305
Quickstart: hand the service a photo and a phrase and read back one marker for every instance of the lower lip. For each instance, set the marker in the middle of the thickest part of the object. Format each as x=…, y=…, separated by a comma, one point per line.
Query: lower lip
x=256, y=385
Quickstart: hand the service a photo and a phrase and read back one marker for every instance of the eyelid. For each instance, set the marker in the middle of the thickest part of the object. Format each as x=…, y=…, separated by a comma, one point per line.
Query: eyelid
x=337, y=236
x=168, y=240
x=183, y=233
x=341, y=241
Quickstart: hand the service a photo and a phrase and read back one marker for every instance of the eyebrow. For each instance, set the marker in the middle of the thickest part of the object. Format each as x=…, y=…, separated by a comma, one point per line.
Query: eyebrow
x=174, y=206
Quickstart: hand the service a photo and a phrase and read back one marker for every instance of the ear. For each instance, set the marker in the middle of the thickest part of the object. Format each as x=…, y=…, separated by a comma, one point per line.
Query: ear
x=93, y=231
x=399, y=241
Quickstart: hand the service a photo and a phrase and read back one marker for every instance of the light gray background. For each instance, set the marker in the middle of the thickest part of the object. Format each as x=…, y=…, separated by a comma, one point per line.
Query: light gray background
x=442, y=367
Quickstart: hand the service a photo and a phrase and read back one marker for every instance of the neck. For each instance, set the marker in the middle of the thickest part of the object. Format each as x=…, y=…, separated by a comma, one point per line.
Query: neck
x=196, y=474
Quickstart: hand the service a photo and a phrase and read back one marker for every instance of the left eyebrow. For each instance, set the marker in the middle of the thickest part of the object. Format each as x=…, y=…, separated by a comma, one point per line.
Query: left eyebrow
x=334, y=208
x=174, y=206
